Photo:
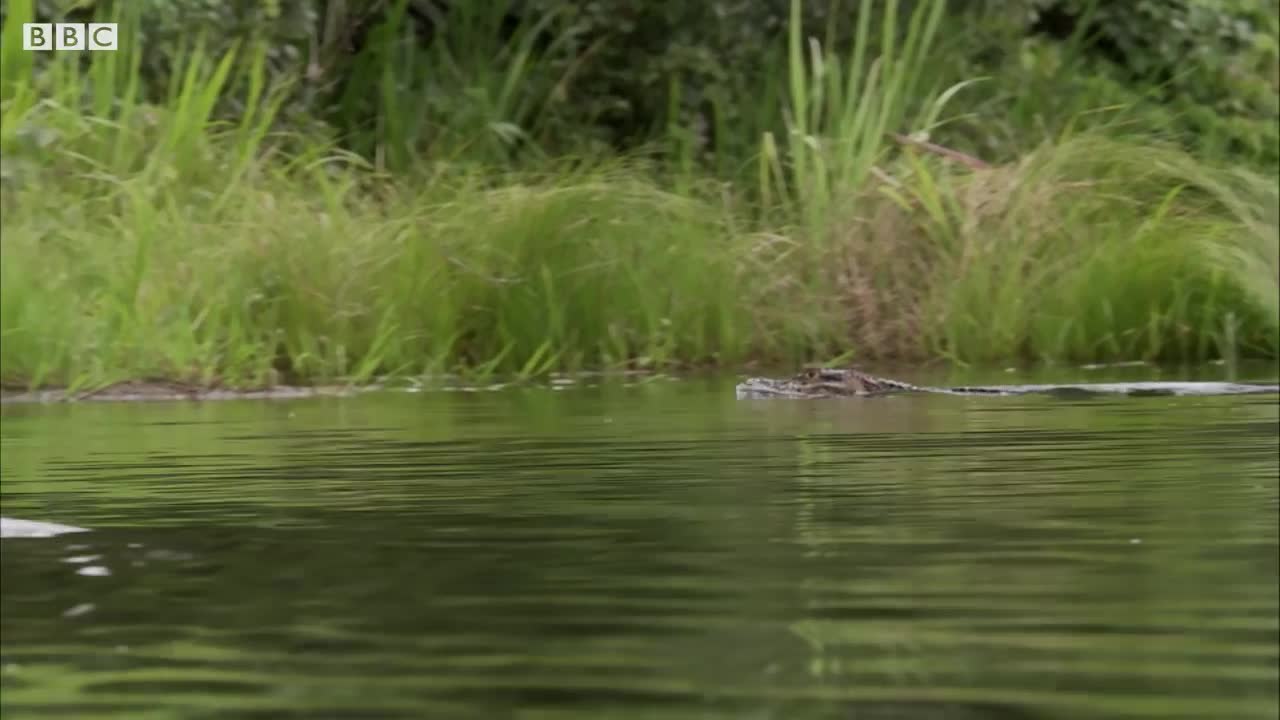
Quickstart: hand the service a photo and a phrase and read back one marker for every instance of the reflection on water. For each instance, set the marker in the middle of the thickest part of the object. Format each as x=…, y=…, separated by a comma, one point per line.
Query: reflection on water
x=660, y=551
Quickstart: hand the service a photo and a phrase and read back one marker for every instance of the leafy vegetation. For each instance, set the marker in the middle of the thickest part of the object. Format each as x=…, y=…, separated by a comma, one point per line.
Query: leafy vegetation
x=497, y=189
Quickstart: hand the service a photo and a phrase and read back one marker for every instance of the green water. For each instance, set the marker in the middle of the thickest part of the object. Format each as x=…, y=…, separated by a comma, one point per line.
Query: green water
x=654, y=551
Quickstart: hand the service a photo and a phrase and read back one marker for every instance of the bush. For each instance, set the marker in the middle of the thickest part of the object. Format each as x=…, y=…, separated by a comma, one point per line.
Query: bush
x=1202, y=73
x=398, y=79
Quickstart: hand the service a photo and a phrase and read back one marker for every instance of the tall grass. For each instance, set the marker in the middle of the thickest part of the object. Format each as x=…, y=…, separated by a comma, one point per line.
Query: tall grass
x=171, y=244
x=143, y=236
x=302, y=275
x=1091, y=248
x=842, y=109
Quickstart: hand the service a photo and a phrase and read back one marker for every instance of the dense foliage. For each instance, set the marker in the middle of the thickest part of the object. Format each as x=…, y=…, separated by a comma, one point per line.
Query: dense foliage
x=563, y=73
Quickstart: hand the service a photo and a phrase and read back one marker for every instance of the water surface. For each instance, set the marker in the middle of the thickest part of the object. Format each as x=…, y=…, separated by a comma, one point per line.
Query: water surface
x=654, y=551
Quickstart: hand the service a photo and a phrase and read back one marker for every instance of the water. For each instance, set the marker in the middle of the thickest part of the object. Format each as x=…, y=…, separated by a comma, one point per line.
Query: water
x=656, y=551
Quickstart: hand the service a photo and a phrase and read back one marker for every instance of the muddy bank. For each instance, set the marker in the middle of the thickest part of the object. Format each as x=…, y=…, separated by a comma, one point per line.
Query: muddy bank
x=144, y=390
x=140, y=391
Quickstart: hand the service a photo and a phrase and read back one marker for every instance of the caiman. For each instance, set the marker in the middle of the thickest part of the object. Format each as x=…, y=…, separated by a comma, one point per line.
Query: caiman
x=838, y=382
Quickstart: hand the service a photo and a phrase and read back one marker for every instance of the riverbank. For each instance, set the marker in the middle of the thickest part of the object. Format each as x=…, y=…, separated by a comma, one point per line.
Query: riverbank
x=160, y=391
x=156, y=240
x=1213, y=378
x=1089, y=251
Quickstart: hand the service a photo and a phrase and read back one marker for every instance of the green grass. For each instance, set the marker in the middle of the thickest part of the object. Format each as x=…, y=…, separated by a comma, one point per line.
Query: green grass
x=308, y=272
x=142, y=237
x=1095, y=248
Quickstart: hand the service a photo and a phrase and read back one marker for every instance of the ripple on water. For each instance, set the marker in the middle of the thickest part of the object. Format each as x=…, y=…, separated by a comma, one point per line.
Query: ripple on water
x=513, y=555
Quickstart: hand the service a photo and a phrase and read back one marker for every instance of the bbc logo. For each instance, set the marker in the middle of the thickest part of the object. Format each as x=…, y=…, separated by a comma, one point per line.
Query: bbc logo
x=69, y=36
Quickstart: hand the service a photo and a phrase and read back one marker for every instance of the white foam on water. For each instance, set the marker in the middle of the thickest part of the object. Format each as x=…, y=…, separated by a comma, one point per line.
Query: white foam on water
x=16, y=528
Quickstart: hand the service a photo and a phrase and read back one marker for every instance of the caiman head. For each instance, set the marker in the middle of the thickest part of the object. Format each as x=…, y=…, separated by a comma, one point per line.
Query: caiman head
x=819, y=383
